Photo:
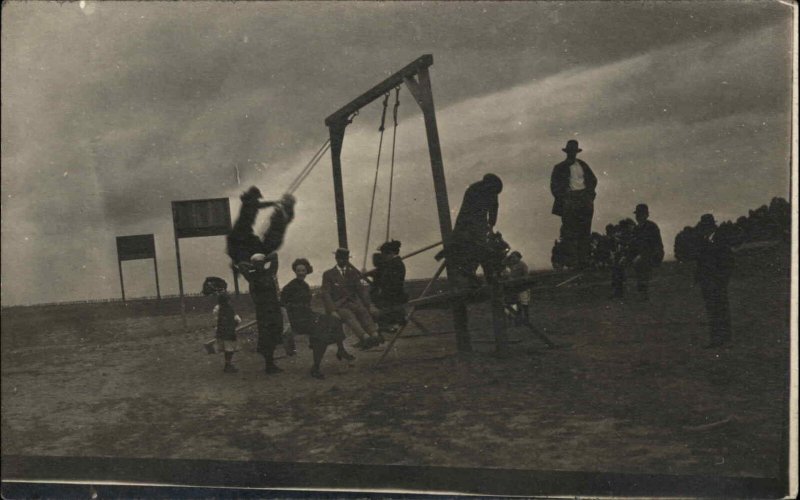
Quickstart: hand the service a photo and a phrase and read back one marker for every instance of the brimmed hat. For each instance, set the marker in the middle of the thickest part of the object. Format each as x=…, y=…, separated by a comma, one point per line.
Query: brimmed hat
x=572, y=147
x=707, y=220
x=303, y=262
x=392, y=246
x=252, y=194
x=258, y=257
x=342, y=253
x=642, y=208
x=515, y=254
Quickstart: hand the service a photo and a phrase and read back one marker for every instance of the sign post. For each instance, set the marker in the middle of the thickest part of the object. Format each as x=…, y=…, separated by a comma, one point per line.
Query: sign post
x=135, y=247
x=197, y=218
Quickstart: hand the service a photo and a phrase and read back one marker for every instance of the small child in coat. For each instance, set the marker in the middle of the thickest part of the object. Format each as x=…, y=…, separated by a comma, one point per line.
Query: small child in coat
x=227, y=319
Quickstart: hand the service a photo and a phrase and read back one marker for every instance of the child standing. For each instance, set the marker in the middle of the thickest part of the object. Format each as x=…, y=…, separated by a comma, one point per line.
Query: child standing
x=227, y=319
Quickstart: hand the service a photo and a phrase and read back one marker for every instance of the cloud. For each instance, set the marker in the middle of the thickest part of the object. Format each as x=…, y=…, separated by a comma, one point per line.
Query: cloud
x=140, y=104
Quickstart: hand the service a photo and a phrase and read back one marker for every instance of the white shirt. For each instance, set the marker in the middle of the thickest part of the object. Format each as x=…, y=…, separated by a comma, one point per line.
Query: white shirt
x=341, y=270
x=576, y=177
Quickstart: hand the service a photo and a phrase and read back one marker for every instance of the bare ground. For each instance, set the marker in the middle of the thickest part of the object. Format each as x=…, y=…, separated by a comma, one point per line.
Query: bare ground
x=629, y=393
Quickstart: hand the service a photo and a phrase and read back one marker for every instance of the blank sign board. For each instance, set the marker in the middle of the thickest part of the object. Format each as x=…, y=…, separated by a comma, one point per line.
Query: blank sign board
x=134, y=247
x=193, y=218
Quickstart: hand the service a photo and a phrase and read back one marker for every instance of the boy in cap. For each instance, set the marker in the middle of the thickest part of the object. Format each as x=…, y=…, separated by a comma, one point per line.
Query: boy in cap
x=227, y=319
x=647, y=249
x=345, y=299
x=573, y=185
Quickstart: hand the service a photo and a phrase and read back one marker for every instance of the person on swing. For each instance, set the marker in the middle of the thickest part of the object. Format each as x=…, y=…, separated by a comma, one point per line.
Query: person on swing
x=346, y=299
x=253, y=257
x=388, y=286
x=322, y=329
x=470, y=241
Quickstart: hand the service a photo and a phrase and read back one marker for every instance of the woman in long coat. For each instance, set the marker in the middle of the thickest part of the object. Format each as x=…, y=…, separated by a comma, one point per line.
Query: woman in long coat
x=322, y=329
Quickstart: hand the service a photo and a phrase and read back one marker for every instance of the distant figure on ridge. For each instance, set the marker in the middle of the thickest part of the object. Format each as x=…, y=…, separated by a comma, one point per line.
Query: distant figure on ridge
x=714, y=267
x=647, y=249
x=573, y=186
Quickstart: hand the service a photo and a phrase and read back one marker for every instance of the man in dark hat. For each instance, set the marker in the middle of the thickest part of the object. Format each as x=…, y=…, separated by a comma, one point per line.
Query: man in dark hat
x=345, y=299
x=714, y=267
x=573, y=186
x=469, y=242
x=647, y=249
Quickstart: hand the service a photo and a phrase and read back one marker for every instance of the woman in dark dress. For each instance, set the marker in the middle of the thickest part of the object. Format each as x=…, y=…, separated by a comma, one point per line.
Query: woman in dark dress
x=388, y=292
x=322, y=329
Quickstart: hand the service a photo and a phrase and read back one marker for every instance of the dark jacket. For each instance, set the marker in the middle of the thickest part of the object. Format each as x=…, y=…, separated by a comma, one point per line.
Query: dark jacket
x=296, y=298
x=388, y=288
x=714, y=260
x=647, y=242
x=478, y=213
x=226, y=319
x=337, y=289
x=559, y=183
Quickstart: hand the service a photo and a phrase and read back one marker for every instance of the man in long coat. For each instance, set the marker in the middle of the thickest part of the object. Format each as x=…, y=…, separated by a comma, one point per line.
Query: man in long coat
x=573, y=186
x=714, y=268
x=255, y=259
x=647, y=249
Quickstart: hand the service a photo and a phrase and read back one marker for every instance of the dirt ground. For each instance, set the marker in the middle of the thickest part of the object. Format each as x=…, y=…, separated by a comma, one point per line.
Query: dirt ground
x=626, y=393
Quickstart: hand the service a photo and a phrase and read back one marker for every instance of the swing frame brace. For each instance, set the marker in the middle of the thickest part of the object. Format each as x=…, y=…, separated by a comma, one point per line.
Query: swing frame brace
x=416, y=77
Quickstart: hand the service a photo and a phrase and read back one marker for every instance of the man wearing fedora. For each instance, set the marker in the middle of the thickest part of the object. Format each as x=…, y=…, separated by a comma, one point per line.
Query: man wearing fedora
x=714, y=267
x=346, y=299
x=647, y=249
x=573, y=186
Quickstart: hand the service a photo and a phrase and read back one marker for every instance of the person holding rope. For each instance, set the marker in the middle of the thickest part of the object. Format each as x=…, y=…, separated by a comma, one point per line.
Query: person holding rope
x=322, y=329
x=346, y=299
x=253, y=257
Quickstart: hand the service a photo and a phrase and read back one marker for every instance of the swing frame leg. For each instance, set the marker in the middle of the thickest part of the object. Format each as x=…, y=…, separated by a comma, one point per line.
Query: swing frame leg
x=409, y=316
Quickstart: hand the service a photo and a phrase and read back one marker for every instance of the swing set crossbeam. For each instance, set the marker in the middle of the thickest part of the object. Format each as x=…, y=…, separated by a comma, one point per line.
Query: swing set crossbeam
x=341, y=116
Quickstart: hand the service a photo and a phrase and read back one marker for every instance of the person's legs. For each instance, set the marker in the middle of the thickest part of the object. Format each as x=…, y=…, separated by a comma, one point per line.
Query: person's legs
x=318, y=351
x=724, y=312
x=350, y=320
x=643, y=271
x=364, y=318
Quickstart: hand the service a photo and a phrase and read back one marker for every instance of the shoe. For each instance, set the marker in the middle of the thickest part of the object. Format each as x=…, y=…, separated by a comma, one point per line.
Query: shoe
x=361, y=344
x=272, y=368
x=344, y=355
x=317, y=374
x=380, y=339
x=230, y=369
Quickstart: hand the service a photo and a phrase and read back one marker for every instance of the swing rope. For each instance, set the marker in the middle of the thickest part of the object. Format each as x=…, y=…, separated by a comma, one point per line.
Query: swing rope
x=375, y=183
x=301, y=177
x=391, y=171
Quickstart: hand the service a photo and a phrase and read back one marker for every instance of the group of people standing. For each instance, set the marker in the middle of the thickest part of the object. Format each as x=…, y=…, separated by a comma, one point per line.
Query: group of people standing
x=473, y=243
x=639, y=244
x=344, y=297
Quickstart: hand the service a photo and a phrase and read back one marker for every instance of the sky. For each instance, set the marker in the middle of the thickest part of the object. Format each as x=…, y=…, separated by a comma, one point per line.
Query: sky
x=112, y=110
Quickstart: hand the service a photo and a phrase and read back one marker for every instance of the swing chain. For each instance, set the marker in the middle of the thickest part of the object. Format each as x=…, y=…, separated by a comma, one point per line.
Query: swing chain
x=396, y=103
x=383, y=115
